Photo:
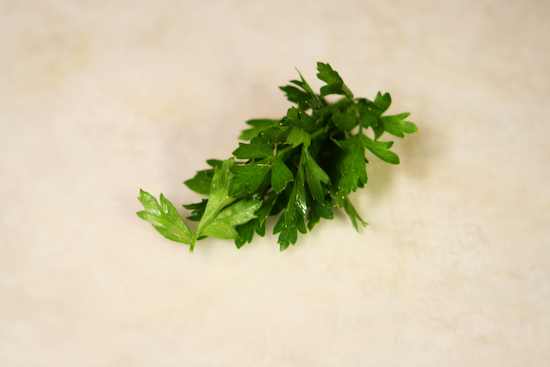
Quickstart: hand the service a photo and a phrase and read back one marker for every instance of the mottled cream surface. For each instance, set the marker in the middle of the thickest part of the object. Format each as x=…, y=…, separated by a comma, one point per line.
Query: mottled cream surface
x=101, y=98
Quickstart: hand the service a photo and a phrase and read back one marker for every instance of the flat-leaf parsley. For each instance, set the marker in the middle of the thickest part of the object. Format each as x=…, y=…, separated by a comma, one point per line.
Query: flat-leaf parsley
x=298, y=167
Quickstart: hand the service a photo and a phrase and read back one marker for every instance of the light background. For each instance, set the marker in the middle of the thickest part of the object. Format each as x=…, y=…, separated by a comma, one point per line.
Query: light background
x=101, y=98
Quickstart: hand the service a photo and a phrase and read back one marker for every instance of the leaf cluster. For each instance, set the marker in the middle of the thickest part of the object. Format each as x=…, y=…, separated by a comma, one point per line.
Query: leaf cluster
x=299, y=168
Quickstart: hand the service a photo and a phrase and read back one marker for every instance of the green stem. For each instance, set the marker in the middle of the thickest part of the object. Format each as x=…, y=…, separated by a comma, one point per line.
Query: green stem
x=318, y=132
x=252, y=165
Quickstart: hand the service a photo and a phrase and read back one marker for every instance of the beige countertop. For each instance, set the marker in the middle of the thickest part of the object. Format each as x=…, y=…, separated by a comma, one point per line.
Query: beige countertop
x=101, y=98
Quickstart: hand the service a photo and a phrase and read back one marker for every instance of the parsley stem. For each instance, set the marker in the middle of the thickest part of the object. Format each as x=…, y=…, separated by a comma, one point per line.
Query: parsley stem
x=318, y=132
x=252, y=165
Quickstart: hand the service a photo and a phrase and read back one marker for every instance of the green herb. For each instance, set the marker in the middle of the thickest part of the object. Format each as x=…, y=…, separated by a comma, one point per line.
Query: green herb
x=299, y=167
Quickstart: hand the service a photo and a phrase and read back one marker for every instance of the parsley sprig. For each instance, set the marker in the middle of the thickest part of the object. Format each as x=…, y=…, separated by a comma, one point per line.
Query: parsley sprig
x=298, y=167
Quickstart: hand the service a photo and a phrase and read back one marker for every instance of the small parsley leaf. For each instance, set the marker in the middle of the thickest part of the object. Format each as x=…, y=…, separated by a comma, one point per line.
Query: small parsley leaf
x=315, y=176
x=353, y=215
x=298, y=136
x=247, y=177
x=352, y=167
x=280, y=175
x=335, y=84
x=383, y=101
x=164, y=218
x=246, y=233
x=396, y=125
x=380, y=149
x=201, y=182
x=259, y=125
x=367, y=118
x=258, y=148
x=345, y=121
x=239, y=213
x=296, y=95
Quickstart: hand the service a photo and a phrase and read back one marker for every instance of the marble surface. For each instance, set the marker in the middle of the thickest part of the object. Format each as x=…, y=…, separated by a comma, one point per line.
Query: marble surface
x=101, y=98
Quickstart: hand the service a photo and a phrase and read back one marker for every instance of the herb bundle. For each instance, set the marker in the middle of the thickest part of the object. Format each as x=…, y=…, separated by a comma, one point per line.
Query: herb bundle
x=298, y=167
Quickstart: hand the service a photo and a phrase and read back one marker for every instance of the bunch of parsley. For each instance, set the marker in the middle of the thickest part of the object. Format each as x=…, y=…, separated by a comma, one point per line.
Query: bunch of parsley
x=298, y=167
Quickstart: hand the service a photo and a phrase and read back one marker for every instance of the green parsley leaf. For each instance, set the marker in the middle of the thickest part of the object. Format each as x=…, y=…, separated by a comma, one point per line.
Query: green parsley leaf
x=314, y=101
x=352, y=167
x=246, y=232
x=288, y=225
x=298, y=96
x=259, y=125
x=298, y=136
x=273, y=135
x=383, y=101
x=258, y=148
x=239, y=213
x=345, y=121
x=280, y=175
x=221, y=230
x=328, y=75
x=353, y=215
x=219, y=199
x=293, y=217
x=164, y=218
x=201, y=182
x=317, y=211
x=335, y=84
x=367, y=118
x=266, y=207
x=327, y=112
x=247, y=177
x=396, y=125
x=380, y=149
x=315, y=176
x=197, y=210
x=214, y=163
x=298, y=194
x=300, y=119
